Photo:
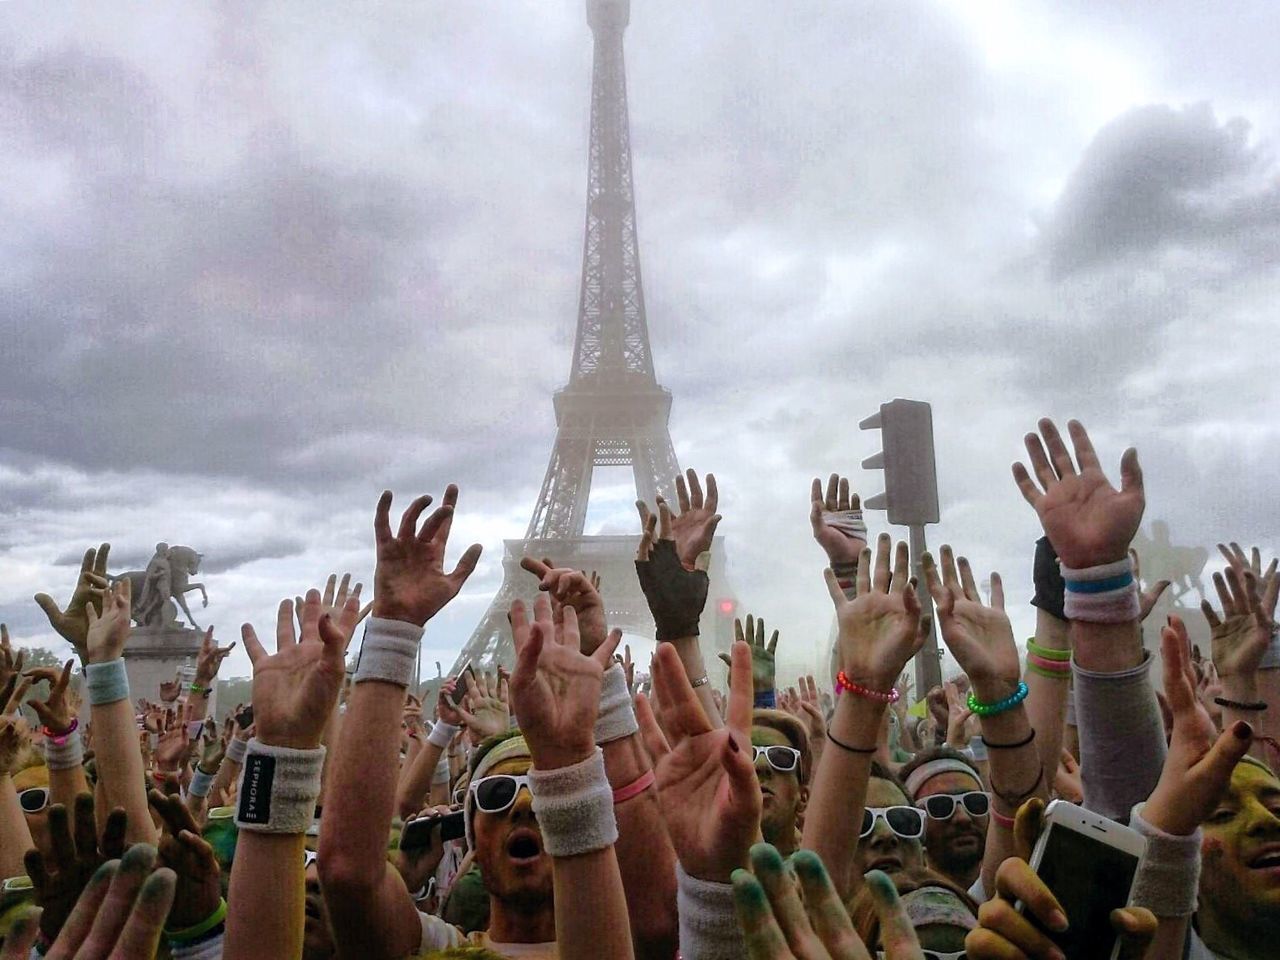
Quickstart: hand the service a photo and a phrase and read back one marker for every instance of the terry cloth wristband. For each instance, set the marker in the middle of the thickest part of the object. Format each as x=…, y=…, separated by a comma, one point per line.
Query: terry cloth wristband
x=108, y=682
x=236, y=749
x=848, y=522
x=442, y=734
x=675, y=595
x=441, y=772
x=1168, y=877
x=66, y=755
x=1107, y=593
x=200, y=783
x=846, y=572
x=617, y=717
x=709, y=928
x=278, y=788
x=1048, y=580
x=574, y=807
x=389, y=651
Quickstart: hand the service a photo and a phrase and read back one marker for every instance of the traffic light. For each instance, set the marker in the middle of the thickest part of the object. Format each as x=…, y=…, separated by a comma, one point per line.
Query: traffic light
x=726, y=610
x=910, y=474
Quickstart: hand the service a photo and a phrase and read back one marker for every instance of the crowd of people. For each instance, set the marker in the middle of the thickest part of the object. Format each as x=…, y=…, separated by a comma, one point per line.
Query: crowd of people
x=571, y=809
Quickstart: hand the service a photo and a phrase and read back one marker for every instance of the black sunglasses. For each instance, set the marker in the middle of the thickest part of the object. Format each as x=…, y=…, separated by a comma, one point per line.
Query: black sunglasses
x=942, y=806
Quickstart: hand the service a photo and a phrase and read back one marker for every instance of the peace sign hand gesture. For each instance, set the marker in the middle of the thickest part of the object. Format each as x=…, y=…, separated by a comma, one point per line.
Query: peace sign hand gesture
x=1087, y=520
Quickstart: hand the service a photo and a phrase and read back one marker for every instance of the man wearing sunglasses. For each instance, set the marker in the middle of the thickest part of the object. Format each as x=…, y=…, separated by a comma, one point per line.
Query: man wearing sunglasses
x=944, y=784
x=889, y=837
x=781, y=748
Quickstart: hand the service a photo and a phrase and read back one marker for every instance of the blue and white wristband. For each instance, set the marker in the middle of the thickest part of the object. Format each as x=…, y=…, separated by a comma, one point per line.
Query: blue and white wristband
x=1107, y=593
x=108, y=682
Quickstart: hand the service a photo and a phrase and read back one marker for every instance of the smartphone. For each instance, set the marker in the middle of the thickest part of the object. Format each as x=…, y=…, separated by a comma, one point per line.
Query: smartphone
x=416, y=834
x=244, y=720
x=1089, y=863
x=460, y=689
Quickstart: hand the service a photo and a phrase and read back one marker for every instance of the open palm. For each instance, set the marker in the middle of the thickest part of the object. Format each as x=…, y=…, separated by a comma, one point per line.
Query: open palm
x=294, y=690
x=980, y=637
x=1088, y=521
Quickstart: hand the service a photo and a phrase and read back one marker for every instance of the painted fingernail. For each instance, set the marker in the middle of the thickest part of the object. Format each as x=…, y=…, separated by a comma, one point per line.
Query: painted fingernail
x=1057, y=921
x=1242, y=730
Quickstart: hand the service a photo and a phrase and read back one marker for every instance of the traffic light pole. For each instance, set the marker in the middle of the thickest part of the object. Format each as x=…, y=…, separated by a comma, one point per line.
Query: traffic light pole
x=929, y=659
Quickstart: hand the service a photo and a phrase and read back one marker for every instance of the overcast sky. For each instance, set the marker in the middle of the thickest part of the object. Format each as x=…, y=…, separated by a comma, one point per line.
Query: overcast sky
x=261, y=260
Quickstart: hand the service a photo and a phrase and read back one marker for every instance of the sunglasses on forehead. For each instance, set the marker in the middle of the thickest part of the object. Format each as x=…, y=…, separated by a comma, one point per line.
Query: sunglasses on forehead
x=497, y=793
x=906, y=822
x=33, y=799
x=782, y=759
x=942, y=806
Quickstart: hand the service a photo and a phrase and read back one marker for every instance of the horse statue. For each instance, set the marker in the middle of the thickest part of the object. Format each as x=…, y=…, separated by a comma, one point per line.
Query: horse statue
x=160, y=589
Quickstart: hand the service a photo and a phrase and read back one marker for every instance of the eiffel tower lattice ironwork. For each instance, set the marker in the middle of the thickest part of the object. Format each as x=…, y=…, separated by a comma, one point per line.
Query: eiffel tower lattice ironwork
x=612, y=412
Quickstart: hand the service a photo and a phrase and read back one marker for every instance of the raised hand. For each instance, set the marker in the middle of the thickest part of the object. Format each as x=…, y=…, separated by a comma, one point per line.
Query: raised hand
x=837, y=520
x=214, y=748
x=556, y=688
x=446, y=710
x=980, y=637
x=122, y=921
x=294, y=691
x=15, y=735
x=1149, y=597
x=55, y=713
x=792, y=911
x=10, y=664
x=75, y=853
x=335, y=598
x=880, y=629
x=209, y=659
x=173, y=746
x=694, y=527
x=1086, y=519
x=409, y=582
x=109, y=632
x=572, y=588
x=192, y=860
x=72, y=624
x=961, y=723
x=484, y=708
x=763, y=656
x=707, y=784
x=1198, y=766
x=1243, y=633
x=675, y=593
x=171, y=689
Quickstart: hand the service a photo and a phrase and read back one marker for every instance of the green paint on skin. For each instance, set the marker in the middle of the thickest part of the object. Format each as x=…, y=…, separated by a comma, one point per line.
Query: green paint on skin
x=138, y=858
x=882, y=887
x=156, y=888
x=749, y=897
x=809, y=866
x=765, y=857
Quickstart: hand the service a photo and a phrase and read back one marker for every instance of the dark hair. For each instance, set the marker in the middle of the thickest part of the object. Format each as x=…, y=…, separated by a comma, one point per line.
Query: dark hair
x=880, y=772
x=936, y=753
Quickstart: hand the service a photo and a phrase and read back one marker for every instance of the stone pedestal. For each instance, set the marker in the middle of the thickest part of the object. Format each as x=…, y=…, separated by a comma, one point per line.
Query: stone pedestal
x=155, y=654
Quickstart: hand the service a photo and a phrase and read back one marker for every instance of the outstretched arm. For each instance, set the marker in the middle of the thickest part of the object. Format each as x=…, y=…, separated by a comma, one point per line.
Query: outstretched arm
x=370, y=909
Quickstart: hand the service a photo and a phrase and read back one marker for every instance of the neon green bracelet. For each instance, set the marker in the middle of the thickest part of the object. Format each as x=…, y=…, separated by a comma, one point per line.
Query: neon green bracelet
x=200, y=929
x=1051, y=674
x=1048, y=652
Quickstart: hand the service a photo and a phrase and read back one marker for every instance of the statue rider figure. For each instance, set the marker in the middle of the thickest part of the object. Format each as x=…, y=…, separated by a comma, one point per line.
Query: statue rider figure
x=156, y=587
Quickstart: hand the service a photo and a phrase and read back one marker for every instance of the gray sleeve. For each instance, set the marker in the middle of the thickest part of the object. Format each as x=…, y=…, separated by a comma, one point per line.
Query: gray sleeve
x=708, y=925
x=1122, y=744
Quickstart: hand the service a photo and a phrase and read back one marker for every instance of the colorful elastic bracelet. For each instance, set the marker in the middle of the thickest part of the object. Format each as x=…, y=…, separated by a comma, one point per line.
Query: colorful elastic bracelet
x=1240, y=704
x=1001, y=819
x=197, y=688
x=1048, y=653
x=843, y=683
x=60, y=739
x=1000, y=706
x=635, y=787
x=1050, y=674
x=187, y=934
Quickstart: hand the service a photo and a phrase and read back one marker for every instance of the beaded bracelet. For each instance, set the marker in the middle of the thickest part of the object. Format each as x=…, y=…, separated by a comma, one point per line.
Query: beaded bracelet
x=1000, y=706
x=843, y=683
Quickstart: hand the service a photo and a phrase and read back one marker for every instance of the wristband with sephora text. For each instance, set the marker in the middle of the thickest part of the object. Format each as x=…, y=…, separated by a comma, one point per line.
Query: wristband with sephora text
x=278, y=788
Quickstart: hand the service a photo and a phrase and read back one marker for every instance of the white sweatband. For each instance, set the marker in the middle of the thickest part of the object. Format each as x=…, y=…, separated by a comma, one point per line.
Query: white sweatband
x=442, y=734
x=848, y=522
x=200, y=783
x=1168, y=877
x=108, y=682
x=574, y=807
x=389, y=651
x=1107, y=593
x=617, y=717
x=64, y=756
x=236, y=749
x=278, y=788
x=709, y=928
x=441, y=772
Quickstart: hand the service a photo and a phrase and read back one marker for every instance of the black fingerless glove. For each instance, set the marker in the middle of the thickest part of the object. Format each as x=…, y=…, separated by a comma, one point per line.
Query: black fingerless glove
x=676, y=596
x=1049, y=583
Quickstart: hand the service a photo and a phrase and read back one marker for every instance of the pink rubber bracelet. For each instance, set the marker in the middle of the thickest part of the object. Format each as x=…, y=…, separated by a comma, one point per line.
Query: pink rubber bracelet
x=635, y=788
x=1053, y=666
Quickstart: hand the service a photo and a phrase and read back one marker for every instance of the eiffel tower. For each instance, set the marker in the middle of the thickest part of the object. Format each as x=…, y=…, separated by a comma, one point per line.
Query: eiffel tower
x=612, y=412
